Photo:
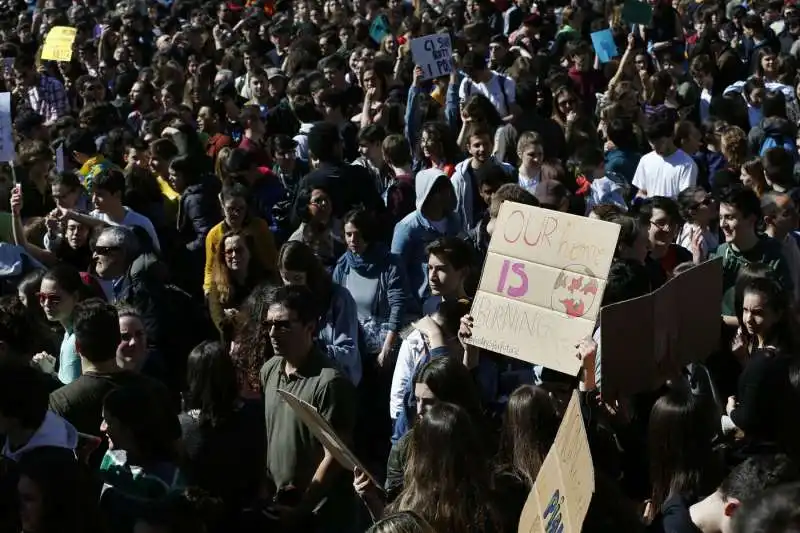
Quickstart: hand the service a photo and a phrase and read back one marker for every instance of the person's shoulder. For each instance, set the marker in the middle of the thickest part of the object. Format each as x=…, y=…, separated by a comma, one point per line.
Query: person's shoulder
x=772, y=248
x=270, y=367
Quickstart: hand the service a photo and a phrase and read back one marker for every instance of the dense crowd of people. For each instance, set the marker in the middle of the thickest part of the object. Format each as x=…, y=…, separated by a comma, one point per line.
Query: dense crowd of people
x=214, y=201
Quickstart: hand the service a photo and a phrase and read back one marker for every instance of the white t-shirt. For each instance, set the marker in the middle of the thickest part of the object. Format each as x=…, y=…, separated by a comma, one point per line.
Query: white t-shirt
x=493, y=91
x=132, y=218
x=665, y=176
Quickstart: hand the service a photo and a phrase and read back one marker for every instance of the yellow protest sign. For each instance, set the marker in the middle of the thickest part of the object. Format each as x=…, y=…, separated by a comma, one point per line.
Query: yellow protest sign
x=58, y=44
x=564, y=486
x=542, y=284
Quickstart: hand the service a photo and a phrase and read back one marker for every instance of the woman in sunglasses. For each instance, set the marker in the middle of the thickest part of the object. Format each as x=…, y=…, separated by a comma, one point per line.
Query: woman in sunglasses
x=61, y=289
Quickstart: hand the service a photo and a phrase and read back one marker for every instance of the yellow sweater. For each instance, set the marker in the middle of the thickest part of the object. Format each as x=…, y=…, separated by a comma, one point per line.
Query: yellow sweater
x=264, y=250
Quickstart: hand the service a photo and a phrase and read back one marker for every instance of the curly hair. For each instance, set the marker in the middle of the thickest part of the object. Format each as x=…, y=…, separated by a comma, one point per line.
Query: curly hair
x=251, y=346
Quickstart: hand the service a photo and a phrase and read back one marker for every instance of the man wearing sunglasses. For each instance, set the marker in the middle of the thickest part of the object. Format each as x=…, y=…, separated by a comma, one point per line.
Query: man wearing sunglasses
x=303, y=472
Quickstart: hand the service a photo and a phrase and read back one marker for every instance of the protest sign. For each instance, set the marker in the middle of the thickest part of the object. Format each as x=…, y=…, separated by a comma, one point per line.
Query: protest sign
x=7, y=151
x=325, y=433
x=434, y=53
x=58, y=44
x=379, y=29
x=604, y=45
x=648, y=340
x=636, y=12
x=542, y=284
x=563, y=489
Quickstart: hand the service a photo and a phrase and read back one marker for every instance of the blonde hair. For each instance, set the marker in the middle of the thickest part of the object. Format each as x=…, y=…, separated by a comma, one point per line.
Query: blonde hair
x=733, y=145
x=528, y=139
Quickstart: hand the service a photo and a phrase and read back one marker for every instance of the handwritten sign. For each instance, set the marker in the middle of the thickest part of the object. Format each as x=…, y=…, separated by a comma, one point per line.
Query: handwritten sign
x=560, y=497
x=324, y=433
x=434, y=53
x=58, y=44
x=542, y=284
x=7, y=151
x=667, y=333
x=379, y=29
x=604, y=46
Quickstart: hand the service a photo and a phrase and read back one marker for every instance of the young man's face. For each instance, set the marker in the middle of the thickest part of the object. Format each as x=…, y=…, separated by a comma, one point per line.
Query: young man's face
x=531, y=156
x=443, y=279
x=662, y=230
x=480, y=147
x=259, y=87
x=734, y=226
x=104, y=200
x=487, y=191
x=371, y=151
x=138, y=158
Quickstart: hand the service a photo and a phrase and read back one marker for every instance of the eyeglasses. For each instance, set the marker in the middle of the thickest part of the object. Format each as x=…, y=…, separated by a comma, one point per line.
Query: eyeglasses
x=322, y=202
x=279, y=325
x=45, y=297
x=663, y=225
x=105, y=250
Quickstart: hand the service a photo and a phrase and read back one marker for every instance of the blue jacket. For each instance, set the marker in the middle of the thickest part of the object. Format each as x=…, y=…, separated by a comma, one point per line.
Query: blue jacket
x=338, y=334
x=378, y=263
x=413, y=234
x=465, y=191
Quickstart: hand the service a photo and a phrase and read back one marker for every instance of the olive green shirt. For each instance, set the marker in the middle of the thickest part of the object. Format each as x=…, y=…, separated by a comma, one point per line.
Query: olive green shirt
x=293, y=453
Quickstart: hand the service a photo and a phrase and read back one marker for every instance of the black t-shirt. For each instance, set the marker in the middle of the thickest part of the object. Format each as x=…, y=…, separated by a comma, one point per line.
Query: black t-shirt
x=81, y=402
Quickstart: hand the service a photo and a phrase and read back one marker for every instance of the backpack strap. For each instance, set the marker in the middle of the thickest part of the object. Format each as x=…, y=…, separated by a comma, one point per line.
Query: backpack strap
x=502, y=81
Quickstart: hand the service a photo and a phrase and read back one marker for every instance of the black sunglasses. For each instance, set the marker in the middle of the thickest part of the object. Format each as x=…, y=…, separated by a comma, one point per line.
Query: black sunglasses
x=106, y=250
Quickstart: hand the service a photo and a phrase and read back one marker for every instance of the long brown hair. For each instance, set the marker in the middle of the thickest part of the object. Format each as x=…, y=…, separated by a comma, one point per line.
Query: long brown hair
x=528, y=431
x=220, y=273
x=447, y=478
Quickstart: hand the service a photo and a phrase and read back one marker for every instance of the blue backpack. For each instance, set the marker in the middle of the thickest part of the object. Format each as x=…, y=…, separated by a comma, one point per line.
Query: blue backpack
x=779, y=140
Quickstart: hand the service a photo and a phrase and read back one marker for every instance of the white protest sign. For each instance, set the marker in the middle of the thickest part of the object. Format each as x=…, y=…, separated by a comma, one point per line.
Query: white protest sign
x=564, y=486
x=7, y=152
x=434, y=53
x=542, y=284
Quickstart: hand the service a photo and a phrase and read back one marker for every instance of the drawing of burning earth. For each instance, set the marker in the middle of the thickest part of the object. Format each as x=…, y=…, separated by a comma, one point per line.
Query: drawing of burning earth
x=574, y=293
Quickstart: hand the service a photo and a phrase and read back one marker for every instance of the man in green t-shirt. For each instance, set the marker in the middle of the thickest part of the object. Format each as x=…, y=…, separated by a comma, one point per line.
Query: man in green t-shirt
x=739, y=212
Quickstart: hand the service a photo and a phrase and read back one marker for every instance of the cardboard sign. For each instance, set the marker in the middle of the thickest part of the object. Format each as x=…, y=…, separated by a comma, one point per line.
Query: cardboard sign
x=647, y=340
x=604, y=45
x=563, y=489
x=636, y=12
x=58, y=44
x=7, y=151
x=542, y=284
x=434, y=53
x=379, y=29
x=325, y=433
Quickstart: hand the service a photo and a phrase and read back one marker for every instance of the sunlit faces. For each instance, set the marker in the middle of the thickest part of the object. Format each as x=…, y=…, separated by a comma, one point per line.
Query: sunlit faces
x=758, y=317
x=56, y=303
x=132, y=350
x=353, y=239
x=320, y=206
x=443, y=278
x=731, y=222
x=662, y=229
x=236, y=252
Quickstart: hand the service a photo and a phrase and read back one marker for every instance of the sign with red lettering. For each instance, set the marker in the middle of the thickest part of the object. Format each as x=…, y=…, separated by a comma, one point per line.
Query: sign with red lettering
x=542, y=284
